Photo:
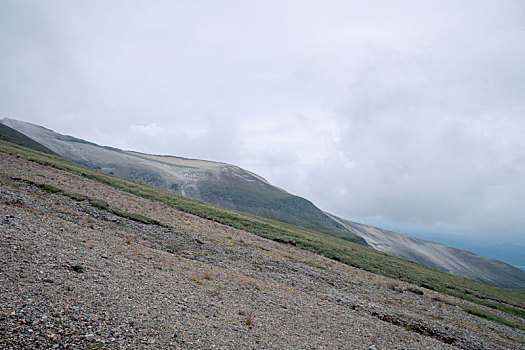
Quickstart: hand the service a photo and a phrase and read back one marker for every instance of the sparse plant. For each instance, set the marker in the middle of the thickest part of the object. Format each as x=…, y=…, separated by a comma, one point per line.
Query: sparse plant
x=196, y=279
x=254, y=285
x=248, y=317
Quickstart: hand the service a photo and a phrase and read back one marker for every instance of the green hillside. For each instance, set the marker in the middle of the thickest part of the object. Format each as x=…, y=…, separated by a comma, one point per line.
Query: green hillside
x=264, y=200
x=508, y=300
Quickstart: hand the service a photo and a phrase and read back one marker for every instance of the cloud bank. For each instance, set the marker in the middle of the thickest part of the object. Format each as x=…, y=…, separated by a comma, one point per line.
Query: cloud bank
x=405, y=115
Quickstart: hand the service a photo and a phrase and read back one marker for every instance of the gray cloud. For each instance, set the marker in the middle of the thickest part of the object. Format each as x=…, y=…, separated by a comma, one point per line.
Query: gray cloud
x=401, y=114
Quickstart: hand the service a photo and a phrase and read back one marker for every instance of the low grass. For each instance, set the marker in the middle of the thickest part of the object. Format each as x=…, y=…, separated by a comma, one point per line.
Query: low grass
x=96, y=203
x=511, y=301
x=134, y=216
x=483, y=314
x=263, y=200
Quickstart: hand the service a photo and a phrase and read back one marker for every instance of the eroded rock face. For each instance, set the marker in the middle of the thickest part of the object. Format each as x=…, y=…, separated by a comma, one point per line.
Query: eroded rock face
x=189, y=283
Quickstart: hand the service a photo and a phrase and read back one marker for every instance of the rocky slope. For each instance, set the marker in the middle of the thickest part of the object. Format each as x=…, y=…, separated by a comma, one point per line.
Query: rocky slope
x=74, y=275
x=438, y=256
x=232, y=187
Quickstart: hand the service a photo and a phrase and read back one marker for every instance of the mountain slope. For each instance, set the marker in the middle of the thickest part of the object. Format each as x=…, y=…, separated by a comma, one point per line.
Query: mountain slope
x=438, y=256
x=13, y=136
x=217, y=183
x=85, y=265
x=39, y=173
x=232, y=187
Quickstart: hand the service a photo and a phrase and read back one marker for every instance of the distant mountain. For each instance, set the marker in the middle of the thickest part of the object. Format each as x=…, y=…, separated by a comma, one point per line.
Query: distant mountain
x=510, y=253
x=235, y=188
x=438, y=256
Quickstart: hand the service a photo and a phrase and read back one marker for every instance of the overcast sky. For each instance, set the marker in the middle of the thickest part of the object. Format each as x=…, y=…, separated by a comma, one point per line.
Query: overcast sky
x=409, y=115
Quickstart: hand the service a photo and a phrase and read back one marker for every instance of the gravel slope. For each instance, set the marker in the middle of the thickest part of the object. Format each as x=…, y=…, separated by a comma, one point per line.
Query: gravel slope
x=73, y=276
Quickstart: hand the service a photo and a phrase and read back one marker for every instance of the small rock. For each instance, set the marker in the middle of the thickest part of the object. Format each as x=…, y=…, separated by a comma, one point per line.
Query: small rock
x=372, y=347
x=90, y=337
x=48, y=280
